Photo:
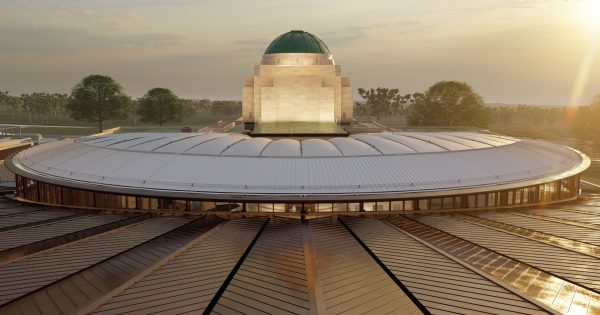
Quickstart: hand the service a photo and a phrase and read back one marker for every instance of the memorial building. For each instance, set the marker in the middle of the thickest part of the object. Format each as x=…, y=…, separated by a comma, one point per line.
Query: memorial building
x=298, y=90
x=297, y=81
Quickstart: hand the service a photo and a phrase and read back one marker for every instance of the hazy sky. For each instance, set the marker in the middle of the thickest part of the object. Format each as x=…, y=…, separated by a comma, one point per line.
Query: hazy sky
x=510, y=51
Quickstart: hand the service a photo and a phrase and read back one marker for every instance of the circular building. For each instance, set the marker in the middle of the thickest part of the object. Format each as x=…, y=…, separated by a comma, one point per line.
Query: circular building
x=297, y=82
x=374, y=172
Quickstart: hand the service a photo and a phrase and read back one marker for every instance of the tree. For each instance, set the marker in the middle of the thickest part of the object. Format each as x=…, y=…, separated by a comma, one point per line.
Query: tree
x=448, y=103
x=4, y=99
x=97, y=98
x=382, y=101
x=587, y=122
x=159, y=106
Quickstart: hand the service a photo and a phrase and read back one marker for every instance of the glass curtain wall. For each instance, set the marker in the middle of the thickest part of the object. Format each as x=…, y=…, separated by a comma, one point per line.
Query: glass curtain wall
x=553, y=191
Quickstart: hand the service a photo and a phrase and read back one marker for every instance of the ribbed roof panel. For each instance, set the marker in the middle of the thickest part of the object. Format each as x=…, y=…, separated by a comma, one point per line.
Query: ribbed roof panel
x=231, y=164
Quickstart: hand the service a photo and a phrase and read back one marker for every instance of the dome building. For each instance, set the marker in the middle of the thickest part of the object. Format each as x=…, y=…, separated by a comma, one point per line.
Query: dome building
x=297, y=82
x=297, y=71
x=208, y=222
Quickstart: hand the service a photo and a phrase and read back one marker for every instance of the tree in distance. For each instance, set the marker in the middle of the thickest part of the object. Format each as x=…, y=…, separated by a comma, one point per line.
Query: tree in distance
x=159, y=106
x=97, y=98
x=449, y=103
x=382, y=101
x=587, y=123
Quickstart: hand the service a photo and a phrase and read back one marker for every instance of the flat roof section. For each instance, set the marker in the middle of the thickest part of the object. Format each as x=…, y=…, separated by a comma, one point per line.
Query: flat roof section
x=298, y=129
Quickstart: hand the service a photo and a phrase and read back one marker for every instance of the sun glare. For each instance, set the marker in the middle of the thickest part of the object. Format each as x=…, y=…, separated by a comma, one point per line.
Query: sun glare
x=590, y=12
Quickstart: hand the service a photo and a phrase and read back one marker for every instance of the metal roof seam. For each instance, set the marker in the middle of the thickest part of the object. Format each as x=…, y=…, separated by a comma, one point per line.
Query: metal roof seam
x=378, y=135
x=416, y=138
x=367, y=143
x=440, y=141
x=231, y=144
x=446, y=139
x=199, y=143
x=264, y=148
x=143, y=142
x=117, y=142
x=171, y=142
x=477, y=139
x=338, y=148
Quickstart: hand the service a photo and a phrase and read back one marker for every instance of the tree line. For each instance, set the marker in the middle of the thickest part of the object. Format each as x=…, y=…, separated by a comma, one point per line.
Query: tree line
x=452, y=103
x=446, y=103
x=586, y=125
x=99, y=99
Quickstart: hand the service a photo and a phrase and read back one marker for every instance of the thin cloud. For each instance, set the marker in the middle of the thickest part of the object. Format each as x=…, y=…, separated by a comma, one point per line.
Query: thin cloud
x=49, y=39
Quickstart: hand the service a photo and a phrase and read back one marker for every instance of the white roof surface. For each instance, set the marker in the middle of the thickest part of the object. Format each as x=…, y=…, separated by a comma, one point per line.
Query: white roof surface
x=213, y=163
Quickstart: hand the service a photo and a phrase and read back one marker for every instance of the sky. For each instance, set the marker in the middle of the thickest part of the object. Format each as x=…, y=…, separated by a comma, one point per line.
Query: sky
x=541, y=52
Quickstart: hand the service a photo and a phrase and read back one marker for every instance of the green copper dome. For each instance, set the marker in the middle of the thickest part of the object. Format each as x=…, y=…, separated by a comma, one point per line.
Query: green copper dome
x=297, y=42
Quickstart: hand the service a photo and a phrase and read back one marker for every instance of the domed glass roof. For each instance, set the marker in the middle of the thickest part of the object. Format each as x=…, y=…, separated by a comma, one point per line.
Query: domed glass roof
x=297, y=42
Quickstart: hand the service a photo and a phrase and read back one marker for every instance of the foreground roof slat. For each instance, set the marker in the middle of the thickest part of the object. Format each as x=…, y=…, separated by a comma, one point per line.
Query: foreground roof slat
x=272, y=278
x=360, y=286
x=190, y=280
x=440, y=283
x=32, y=272
x=568, y=215
x=537, y=285
x=446, y=264
x=579, y=233
x=575, y=267
x=33, y=218
x=114, y=272
x=15, y=238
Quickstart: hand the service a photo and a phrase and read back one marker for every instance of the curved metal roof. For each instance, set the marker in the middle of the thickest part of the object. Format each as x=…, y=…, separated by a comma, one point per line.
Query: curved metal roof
x=214, y=165
x=384, y=143
x=297, y=42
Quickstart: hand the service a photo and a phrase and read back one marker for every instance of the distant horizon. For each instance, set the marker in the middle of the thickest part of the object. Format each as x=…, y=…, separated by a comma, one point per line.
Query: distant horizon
x=509, y=51
x=356, y=98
